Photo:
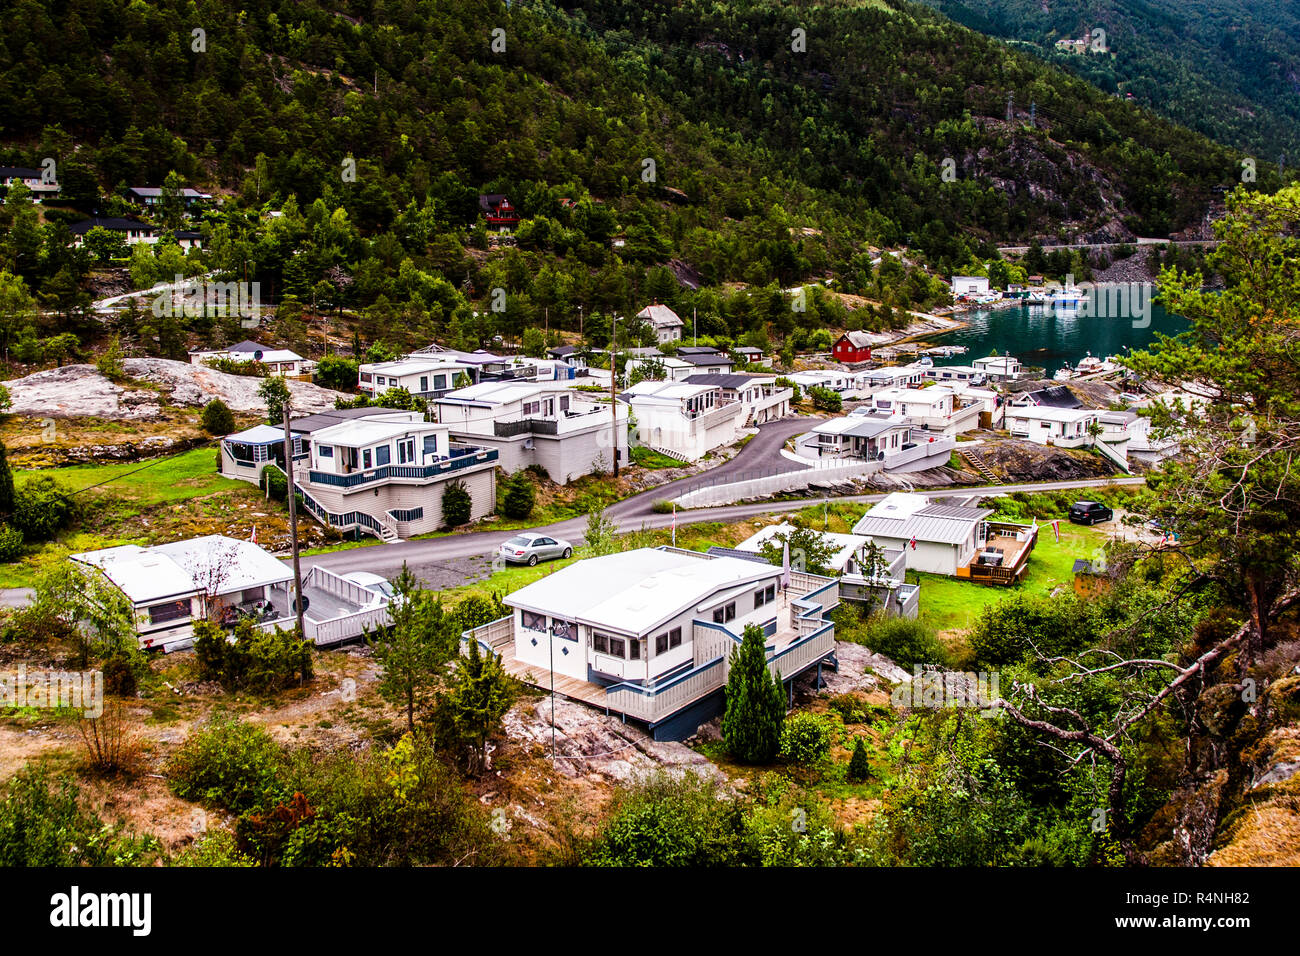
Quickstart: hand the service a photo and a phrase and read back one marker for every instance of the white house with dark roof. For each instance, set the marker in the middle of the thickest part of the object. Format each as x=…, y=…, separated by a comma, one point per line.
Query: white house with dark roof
x=132, y=230
x=151, y=196
x=673, y=369
x=666, y=323
x=649, y=633
x=33, y=179
x=706, y=359
x=285, y=362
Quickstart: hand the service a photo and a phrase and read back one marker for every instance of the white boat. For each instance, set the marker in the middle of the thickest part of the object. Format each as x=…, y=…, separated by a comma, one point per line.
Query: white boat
x=946, y=350
x=1089, y=364
x=925, y=361
x=1064, y=374
x=1067, y=297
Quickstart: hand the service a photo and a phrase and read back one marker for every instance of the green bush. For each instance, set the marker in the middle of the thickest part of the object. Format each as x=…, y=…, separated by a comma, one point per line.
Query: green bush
x=275, y=483
x=337, y=372
x=42, y=508
x=257, y=660
x=519, y=497
x=456, y=504
x=806, y=739
x=859, y=767
x=42, y=823
x=217, y=418
x=825, y=400
x=230, y=764
x=11, y=543
x=905, y=642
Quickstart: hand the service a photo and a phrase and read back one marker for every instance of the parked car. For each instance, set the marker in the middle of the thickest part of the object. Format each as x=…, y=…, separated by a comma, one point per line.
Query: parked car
x=380, y=587
x=1090, y=512
x=529, y=548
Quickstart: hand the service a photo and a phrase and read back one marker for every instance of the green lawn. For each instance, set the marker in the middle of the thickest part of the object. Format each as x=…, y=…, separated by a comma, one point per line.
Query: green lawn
x=948, y=603
x=159, y=481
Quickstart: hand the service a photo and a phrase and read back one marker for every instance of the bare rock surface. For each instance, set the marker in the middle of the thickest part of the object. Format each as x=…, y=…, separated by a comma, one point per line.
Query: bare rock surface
x=861, y=669
x=587, y=742
x=75, y=391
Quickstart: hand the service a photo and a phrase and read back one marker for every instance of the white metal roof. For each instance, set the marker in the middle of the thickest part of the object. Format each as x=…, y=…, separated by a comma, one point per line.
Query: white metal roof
x=412, y=366
x=635, y=591
x=360, y=432
x=499, y=393
x=1048, y=413
x=257, y=435
x=184, y=568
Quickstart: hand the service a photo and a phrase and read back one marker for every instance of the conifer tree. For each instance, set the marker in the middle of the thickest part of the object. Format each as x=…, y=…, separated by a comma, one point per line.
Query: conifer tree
x=751, y=724
x=6, y=485
x=859, y=768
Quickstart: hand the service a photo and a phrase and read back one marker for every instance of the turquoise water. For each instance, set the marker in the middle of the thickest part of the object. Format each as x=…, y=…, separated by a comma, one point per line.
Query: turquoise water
x=1051, y=338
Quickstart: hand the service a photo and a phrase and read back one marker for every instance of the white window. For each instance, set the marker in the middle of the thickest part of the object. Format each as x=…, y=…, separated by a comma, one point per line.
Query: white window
x=366, y=461
x=406, y=451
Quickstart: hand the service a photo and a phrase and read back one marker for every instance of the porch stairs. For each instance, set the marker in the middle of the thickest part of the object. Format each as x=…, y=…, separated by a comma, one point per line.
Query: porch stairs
x=977, y=462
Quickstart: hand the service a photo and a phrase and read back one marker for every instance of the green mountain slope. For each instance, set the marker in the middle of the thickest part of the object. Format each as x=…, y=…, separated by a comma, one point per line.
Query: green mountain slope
x=1227, y=68
x=630, y=137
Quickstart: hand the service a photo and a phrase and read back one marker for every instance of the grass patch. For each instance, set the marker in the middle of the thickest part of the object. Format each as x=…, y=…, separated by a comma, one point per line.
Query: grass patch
x=649, y=458
x=190, y=474
x=952, y=603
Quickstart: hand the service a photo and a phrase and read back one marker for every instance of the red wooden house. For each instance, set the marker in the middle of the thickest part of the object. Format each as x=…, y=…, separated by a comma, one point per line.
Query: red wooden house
x=852, y=347
x=497, y=210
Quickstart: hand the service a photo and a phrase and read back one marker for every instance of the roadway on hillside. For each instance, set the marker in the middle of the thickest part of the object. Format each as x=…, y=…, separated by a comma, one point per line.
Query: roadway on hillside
x=629, y=515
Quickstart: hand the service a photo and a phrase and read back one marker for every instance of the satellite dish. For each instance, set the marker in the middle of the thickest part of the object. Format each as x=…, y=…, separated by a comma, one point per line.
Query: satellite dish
x=257, y=356
x=306, y=603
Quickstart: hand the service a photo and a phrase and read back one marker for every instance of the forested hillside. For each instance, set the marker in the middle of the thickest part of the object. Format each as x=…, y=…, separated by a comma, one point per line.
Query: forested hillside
x=1226, y=68
x=645, y=147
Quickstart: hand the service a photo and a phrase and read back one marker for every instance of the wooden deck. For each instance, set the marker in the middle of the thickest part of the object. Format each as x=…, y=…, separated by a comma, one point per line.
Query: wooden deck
x=540, y=677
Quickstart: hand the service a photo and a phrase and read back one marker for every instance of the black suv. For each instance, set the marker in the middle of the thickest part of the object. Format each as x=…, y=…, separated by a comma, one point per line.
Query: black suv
x=1089, y=512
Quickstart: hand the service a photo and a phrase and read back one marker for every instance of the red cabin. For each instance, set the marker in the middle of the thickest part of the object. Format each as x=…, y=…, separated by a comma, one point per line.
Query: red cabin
x=852, y=347
x=497, y=210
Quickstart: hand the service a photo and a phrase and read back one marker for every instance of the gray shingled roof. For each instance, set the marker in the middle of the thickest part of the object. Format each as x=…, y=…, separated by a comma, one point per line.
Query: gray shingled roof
x=940, y=524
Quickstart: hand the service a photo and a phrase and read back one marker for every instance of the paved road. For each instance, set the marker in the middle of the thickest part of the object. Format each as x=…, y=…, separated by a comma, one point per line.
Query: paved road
x=628, y=515
x=761, y=455
x=1094, y=246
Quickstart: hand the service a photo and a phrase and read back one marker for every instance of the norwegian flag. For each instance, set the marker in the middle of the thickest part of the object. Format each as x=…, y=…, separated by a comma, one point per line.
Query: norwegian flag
x=1056, y=530
x=913, y=542
x=253, y=537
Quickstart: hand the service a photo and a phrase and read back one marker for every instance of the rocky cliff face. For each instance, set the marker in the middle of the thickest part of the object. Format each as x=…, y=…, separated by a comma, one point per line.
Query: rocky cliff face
x=1239, y=804
x=81, y=391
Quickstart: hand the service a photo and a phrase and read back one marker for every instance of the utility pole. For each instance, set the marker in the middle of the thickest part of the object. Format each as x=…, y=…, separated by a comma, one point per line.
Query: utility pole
x=293, y=520
x=613, y=381
x=695, y=326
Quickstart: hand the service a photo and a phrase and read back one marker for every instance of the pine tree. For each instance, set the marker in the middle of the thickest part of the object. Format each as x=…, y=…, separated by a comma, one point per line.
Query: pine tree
x=480, y=695
x=457, y=504
x=859, y=768
x=751, y=724
x=519, y=496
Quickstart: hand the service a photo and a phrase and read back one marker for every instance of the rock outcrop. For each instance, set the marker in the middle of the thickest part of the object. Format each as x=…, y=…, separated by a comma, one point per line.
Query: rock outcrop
x=82, y=391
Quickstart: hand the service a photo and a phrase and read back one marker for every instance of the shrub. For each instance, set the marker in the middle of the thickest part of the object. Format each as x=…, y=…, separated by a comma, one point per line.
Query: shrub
x=43, y=508
x=905, y=642
x=790, y=383
x=519, y=497
x=337, y=372
x=806, y=739
x=825, y=400
x=456, y=504
x=42, y=824
x=214, y=848
x=257, y=660
x=229, y=764
x=859, y=767
x=11, y=543
x=662, y=507
x=217, y=418
x=275, y=483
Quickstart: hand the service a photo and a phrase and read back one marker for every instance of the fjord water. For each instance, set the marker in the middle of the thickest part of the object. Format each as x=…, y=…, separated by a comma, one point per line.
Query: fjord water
x=1049, y=338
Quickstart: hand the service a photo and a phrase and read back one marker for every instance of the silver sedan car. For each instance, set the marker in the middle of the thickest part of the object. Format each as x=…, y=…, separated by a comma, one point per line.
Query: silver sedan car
x=530, y=547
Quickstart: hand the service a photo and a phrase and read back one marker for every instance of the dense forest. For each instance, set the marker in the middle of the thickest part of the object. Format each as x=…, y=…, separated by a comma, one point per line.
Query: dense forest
x=653, y=153
x=1225, y=68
